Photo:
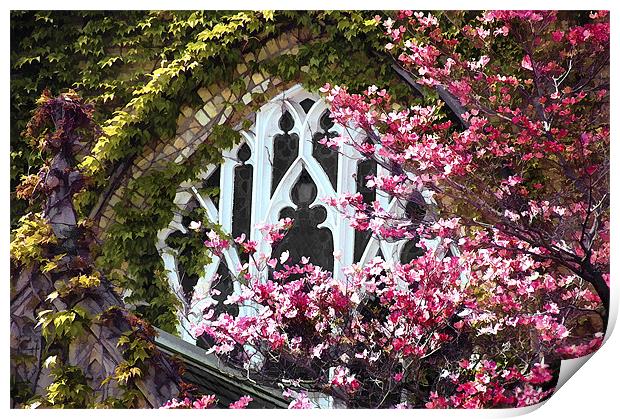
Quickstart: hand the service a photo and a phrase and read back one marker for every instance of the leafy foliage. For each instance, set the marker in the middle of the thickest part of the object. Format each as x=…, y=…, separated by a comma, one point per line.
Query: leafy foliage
x=30, y=240
x=69, y=388
x=138, y=68
x=51, y=252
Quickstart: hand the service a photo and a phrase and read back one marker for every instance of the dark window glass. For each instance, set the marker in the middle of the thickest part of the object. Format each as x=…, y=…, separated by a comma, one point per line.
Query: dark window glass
x=304, y=191
x=305, y=238
x=415, y=213
x=306, y=104
x=242, y=197
x=327, y=158
x=192, y=205
x=211, y=186
x=225, y=285
x=364, y=168
x=244, y=153
x=188, y=281
x=177, y=241
x=285, y=149
x=410, y=251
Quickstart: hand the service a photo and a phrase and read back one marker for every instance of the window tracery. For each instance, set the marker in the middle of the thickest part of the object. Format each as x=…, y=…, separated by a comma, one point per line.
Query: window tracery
x=279, y=170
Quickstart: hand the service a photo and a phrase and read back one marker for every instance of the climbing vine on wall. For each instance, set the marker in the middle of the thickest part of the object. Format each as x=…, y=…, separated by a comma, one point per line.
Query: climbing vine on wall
x=73, y=343
x=135, y=233
x=139, y=69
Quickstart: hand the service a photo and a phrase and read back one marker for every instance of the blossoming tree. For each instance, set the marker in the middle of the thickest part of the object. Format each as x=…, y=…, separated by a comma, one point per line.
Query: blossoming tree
x=509, y=157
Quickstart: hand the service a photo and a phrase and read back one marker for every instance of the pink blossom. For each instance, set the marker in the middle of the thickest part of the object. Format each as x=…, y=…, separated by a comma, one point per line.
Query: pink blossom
x=216, y=244
x=242, y=403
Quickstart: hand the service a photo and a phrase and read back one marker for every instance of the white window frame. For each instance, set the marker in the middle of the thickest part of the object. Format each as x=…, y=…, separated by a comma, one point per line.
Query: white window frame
x=266, y=208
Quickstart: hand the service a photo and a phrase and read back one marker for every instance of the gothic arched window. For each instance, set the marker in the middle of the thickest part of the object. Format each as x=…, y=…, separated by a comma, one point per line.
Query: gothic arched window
x=280, y=169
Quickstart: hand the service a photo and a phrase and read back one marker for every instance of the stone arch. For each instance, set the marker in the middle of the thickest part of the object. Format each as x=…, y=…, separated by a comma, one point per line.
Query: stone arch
x=194, y=125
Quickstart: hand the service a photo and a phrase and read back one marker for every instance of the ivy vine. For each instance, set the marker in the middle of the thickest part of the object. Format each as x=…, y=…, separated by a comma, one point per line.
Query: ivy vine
x=139, y=69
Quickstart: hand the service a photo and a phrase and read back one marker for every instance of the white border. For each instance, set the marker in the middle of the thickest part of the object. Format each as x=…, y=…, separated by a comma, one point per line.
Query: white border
x=593, y=394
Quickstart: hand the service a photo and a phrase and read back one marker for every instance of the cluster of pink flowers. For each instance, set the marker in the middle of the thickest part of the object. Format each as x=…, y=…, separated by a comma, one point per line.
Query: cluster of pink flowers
x=363, y=216
x=344, y=380
x=300, y=399
x=242, y=403
x=246, y=246
x=526, y=287
x=583, y=349
x=216, y=243
x=406, y=142
x=304, y=313
x=274, y=233
x=483, y=383
x=204, y=402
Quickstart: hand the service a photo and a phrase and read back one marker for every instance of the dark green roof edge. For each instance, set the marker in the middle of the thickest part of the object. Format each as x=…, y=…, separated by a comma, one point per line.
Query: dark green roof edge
x=209, y=367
